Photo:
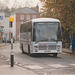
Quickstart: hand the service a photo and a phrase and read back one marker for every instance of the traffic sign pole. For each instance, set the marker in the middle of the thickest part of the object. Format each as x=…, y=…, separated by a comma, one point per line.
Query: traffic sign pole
x=12, y=55
x=11, y=19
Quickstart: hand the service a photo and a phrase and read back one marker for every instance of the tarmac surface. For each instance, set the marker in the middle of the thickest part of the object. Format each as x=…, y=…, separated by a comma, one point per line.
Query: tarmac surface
x=6, y=69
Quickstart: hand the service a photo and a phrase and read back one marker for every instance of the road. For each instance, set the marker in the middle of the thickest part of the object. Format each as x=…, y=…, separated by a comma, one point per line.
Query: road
x=41, y=64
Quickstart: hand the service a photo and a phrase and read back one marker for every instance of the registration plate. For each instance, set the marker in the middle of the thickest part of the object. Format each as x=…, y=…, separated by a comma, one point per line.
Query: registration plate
x=47, y=51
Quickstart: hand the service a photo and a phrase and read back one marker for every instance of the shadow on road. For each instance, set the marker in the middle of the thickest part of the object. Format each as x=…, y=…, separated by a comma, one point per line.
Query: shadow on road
x=41, y=55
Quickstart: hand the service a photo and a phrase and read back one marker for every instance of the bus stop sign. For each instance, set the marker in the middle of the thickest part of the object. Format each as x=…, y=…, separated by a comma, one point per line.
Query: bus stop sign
x=11, y=19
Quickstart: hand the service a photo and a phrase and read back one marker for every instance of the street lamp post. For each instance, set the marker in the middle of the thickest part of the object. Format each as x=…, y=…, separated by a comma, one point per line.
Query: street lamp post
x=11, y=19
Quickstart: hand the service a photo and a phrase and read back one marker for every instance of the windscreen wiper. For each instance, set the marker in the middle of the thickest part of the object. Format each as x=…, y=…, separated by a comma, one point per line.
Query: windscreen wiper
x=40, y=40
x=37, y=41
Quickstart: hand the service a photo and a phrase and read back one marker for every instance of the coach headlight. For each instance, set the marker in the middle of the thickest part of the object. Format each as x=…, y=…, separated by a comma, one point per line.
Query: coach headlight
x=36, y=48
x=58, y=47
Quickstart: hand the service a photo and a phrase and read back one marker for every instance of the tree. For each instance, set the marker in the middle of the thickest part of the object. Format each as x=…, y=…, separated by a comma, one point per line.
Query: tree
x=7, y=10
x=50, y=8
x=63, y=10
x=67, y=18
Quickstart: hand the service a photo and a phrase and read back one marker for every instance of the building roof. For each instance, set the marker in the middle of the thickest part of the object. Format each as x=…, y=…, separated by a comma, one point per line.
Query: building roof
x=6, y=15
x=27, y=10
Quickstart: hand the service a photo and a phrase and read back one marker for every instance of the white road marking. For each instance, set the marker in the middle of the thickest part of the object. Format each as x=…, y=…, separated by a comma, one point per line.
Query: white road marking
x=72, y=64
x=57, y=65
x=9, y=63
x=34, y=67
x=1, y=56
x=16, y=62
x=45, y=74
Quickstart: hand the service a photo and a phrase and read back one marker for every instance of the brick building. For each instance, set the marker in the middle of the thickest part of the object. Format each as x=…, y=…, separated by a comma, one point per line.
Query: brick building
x=23, y=15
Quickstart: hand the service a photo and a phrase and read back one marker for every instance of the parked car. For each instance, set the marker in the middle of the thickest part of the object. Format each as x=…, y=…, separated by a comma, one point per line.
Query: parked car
x=3, y=40
x=6, y=40
x=9, y=41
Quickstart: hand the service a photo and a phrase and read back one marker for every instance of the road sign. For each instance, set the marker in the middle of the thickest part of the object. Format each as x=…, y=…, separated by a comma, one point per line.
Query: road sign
x=1, y=29
x=11, y=19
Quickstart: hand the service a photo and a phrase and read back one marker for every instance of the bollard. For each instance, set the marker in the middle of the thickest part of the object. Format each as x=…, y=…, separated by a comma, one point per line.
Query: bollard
x=12, y=60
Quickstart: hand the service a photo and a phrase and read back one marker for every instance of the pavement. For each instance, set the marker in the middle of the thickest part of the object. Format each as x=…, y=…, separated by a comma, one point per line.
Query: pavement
x=6, y=69
x=67, y=50
x=16, y=70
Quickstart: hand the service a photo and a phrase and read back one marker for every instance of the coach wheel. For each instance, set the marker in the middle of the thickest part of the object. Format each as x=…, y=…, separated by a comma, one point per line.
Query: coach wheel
x=29, y=50
x=55, y=55
x=22, y=49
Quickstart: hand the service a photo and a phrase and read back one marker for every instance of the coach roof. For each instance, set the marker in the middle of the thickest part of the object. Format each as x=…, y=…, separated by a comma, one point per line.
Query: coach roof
x=42, y=20
x=45, y=20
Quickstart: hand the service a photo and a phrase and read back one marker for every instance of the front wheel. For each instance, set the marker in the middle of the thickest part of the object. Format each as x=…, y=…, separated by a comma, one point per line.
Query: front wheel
x=55, y=54
x=29, y=50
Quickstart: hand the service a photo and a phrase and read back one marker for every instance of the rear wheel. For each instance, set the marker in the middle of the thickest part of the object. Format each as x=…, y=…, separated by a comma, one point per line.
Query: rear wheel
x=29, y=50
x=55, y=54
x=22, y=49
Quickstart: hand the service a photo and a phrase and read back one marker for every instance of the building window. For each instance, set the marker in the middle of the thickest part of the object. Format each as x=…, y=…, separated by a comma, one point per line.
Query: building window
x=34, y=16
x=22, y=17
x=27, y=17
x=1, y=17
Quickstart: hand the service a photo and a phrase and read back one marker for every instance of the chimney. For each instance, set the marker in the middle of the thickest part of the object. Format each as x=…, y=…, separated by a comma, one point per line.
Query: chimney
x=37, y=8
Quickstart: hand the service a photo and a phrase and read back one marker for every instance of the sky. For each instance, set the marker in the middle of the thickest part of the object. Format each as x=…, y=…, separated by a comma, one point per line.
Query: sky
x=30, y=3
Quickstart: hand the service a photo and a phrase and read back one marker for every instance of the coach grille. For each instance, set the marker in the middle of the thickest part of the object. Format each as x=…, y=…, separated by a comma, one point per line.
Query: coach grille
x=42, y=47
x=47, y=47
x=52, y=47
